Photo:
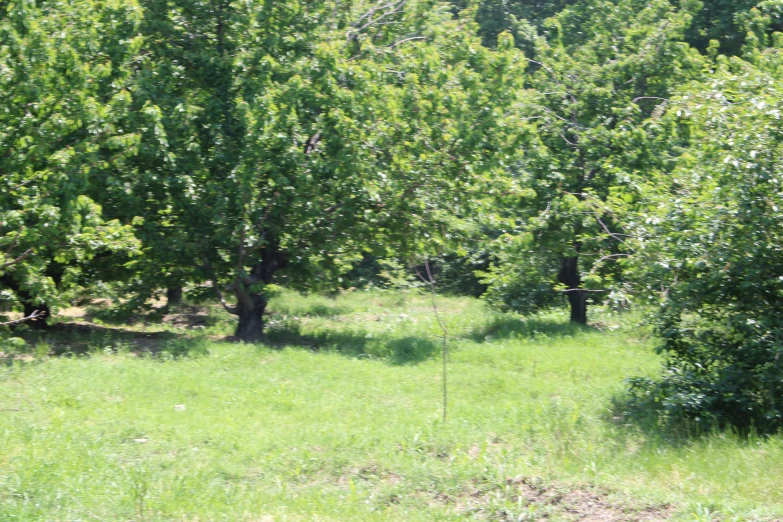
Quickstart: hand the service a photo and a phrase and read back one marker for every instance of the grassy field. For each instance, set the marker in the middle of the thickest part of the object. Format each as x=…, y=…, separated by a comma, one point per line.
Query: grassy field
x=338, y=417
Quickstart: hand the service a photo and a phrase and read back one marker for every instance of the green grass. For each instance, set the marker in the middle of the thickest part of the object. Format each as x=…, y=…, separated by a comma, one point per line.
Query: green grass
x=339, y=418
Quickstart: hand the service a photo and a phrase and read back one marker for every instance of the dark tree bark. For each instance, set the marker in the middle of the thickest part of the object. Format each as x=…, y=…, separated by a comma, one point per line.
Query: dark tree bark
x=577, y=298
x=251, y=304
x=173, y=296
x=251, y=320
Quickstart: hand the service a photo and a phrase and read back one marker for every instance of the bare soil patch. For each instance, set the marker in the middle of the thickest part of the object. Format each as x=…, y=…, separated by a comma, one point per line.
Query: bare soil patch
x=540, y=501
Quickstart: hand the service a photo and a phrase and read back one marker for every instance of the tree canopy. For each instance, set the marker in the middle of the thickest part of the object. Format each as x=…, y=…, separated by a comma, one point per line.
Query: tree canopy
x=602, y=151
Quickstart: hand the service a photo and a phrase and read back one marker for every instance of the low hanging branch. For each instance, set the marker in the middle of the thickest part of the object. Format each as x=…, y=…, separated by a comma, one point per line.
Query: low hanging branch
x=207, y=266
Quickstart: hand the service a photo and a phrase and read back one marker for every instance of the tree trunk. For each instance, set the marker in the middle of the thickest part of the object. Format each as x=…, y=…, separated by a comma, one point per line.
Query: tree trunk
x=577, y=298
x=252, y=304
x=173, y=296
x=578, y=302
x=251, y=320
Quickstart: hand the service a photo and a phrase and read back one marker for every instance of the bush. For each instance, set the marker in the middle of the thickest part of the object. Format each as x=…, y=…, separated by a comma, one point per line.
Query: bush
x=524, y=283
x=713, y=244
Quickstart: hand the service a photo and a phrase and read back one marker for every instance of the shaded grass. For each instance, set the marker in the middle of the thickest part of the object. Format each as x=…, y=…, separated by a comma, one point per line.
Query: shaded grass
x=326, y=432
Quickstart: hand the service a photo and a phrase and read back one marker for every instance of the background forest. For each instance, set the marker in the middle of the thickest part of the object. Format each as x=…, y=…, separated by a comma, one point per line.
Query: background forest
x=539, y=154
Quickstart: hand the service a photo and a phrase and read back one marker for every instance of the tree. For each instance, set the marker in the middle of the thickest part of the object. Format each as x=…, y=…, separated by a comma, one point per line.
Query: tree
x=296, y=137
x=733, y=24
x=63, y=68
x=710, y=250
x=603, y=71
x=523, y=18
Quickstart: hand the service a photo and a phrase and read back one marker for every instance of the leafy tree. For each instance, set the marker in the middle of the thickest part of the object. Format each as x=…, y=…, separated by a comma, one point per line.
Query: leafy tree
x=297, y=137
x=605, y=69
x=63, y=73
x=523, y=18
x=733, y=24
x=709, y=244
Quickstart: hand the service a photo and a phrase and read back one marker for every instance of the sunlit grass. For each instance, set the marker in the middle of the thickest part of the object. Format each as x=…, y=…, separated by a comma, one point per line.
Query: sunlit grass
x=339, y=418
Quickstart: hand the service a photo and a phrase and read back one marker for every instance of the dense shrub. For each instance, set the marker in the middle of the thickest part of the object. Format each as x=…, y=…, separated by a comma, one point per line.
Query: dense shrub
x=715, y=252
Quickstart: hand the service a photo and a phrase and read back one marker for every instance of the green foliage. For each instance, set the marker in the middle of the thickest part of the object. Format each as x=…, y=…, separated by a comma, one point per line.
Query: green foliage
x=523, y=18
x=64, y=71
x=735, y=24
x=732, y=24
x=361, y=130
x=600, y=76
x=459, y=275
x=710, y=246
x=523, y=279
x=536, y=152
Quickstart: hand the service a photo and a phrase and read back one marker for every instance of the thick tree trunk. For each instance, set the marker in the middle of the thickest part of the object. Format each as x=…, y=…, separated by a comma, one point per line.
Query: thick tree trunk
x=173, y=296
x=578, y=303
x=577, y=298
x=251, y=320
x=251, y=305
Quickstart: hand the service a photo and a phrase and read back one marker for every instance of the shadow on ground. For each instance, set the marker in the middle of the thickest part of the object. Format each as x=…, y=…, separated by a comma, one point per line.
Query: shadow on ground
x=354, y=343
x=660, y=428
x=509, y=327
x=181, y=316
x=78, y=338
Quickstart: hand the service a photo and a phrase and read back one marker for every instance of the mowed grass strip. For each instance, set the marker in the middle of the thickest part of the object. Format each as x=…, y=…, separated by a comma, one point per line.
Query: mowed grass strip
x=339, y=418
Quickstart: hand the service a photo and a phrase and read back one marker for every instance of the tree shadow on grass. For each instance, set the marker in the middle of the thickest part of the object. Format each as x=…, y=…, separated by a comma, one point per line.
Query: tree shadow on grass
x=353, y=343
x=78, y=338
x=647, y=422
x=313, y=310
x=509, y=327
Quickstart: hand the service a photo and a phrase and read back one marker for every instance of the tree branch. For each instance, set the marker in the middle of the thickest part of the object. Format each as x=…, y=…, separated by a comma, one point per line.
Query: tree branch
x=230, y=309
x=34, y=315
x=649, y=98
x=395, y=44
x=18, y=259
x=388, y=9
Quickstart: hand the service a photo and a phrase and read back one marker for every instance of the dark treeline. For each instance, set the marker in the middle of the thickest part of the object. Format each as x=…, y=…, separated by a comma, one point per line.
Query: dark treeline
x=540, y=153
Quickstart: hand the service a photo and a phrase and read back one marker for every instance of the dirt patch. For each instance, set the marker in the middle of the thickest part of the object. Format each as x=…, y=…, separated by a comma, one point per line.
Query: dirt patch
x=188, y=320
x=10, y=358
x=530, y=499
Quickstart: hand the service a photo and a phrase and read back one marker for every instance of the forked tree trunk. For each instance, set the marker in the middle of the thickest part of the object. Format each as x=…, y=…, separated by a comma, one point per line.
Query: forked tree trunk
x=577, y=298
